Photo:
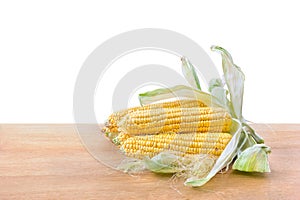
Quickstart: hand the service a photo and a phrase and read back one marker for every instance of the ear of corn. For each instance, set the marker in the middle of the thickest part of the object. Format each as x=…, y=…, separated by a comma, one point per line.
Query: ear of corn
x=114, y=119
x=179, y=144
x=184, y=127
x=183, y=120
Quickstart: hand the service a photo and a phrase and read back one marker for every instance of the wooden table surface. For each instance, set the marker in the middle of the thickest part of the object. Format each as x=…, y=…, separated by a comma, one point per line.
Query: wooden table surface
x=49, y=161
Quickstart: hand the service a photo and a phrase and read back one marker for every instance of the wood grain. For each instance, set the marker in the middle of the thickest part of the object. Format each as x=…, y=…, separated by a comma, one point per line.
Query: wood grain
x=49, y=161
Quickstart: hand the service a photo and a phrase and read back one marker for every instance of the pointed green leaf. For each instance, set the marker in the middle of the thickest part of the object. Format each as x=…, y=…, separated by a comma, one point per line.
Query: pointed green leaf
x=189, y=73
x=234, y=78
x=194, y=182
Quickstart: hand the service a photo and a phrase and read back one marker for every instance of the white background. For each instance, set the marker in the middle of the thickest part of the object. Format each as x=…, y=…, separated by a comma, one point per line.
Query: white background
x=43, y=45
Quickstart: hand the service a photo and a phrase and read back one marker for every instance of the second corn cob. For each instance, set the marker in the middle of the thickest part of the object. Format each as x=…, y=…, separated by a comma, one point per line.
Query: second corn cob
x=179, y=144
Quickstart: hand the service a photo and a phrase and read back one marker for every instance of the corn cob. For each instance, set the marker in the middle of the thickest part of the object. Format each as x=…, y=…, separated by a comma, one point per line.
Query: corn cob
x=182, y=120
x=179, y=144
x=113, y=119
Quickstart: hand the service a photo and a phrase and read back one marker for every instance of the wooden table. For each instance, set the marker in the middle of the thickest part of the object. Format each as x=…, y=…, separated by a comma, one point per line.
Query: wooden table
x=49, y=161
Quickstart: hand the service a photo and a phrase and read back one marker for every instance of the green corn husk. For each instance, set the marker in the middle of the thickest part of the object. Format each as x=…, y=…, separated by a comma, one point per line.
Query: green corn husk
x=131, y=165
x=234, y=78
x=253, y=159
x=164, y=162
x=196, y=166
x=189, y=73
x=178, y=91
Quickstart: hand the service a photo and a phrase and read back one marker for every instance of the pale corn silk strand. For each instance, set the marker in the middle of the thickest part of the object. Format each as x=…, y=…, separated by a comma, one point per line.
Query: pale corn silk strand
x=195, y=166
x=190, y=166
